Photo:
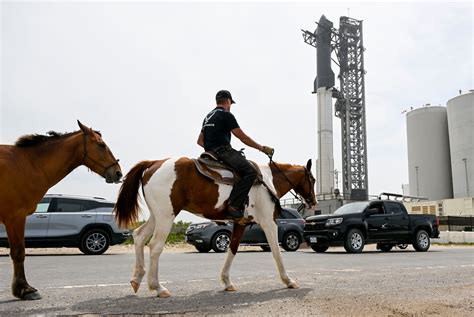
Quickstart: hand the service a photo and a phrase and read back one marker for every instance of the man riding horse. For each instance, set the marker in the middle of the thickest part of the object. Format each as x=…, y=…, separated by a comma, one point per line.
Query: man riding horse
x=215, y=137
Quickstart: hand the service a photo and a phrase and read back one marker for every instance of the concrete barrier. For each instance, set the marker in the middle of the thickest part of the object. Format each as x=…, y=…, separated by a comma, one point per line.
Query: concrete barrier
x=454, y=237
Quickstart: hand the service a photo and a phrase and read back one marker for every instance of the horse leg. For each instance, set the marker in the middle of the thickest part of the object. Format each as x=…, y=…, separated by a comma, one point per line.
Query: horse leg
x=234, y=246
x=157, y=243
x=16, y=238
x=271, y=232
x=140, y=236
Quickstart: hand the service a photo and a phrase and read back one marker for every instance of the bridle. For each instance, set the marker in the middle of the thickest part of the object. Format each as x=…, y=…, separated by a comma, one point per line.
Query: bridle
x=292, y=191
x=105, y=167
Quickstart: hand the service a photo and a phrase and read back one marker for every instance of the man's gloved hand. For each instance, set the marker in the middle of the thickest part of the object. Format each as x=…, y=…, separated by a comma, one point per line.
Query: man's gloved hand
x=267, y=150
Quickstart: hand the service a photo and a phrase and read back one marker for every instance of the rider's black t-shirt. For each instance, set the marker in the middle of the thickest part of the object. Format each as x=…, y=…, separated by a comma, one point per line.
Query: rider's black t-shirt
x=216, y=128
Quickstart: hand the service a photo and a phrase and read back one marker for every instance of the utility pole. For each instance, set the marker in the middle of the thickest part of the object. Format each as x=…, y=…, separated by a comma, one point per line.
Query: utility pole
x=467, y=178
x=417, y=185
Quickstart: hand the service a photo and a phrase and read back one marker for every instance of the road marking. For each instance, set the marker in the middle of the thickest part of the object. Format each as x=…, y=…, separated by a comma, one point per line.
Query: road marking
x=343, y=270
x=243, y=278
x=95, y=285
x=85, y=286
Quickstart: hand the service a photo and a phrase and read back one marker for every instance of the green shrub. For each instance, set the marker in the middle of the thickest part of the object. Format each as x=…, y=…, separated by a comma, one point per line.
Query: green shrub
x=176, y=235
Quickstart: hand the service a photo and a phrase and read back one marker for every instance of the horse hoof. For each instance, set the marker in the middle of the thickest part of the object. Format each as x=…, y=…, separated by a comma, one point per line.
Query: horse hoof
x=164, y=294
x=293, y=285
x=32, y=296
x=231, y=288
x=135, y=286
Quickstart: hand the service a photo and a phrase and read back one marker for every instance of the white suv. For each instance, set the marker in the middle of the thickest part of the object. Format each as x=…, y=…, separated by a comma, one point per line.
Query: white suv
x=71, y=221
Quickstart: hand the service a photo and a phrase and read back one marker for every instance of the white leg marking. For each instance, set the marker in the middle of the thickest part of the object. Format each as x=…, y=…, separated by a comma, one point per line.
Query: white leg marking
x=157, y=196
x=225, y=277
x=140, y=235
x=157, y=243
x=264, y=217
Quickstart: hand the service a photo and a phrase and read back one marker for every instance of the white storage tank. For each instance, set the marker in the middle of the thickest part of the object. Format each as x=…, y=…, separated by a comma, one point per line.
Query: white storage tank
x=461, y=140
x=429, y=164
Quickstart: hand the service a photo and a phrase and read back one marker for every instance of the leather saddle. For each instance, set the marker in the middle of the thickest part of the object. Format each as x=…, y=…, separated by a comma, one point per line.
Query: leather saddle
x=208, y=165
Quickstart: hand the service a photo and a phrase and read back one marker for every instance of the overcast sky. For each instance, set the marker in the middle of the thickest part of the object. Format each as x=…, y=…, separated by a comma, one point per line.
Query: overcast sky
x=145, y=74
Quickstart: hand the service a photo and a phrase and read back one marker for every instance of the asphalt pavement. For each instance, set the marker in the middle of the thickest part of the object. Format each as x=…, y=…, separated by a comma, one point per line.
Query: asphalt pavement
x=400, y=282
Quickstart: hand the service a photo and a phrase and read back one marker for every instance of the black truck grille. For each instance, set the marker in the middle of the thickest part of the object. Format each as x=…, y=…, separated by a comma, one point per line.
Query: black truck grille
x=310, y=226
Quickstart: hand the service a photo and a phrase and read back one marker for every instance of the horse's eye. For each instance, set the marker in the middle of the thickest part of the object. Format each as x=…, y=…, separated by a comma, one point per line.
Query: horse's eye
x=101, y=144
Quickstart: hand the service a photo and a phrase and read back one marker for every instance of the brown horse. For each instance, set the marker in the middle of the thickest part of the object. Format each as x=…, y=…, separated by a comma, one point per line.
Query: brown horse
x=29, y=168
x=172, y=185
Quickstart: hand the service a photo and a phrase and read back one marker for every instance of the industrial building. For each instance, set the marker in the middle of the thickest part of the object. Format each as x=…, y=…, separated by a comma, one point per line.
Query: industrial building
x=440, y=143
x=461, y=143
x=429, y=162
x=446, y=207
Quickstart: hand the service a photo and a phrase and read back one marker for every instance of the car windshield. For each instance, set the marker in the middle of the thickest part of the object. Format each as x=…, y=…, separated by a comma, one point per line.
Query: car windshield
x=351, y=208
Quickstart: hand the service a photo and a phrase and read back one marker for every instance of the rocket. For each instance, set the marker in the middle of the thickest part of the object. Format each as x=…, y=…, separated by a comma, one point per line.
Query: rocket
x=324, y=74
x=323, y=86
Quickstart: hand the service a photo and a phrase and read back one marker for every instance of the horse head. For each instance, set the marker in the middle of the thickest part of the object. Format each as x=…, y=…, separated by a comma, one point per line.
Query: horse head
x=305, y=187
x=98, y=157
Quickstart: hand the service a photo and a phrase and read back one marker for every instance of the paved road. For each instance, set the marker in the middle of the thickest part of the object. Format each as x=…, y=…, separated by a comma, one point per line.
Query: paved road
x=439, y=282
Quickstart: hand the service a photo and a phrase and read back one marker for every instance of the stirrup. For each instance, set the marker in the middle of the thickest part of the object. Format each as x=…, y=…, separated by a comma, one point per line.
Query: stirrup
x=234, y=213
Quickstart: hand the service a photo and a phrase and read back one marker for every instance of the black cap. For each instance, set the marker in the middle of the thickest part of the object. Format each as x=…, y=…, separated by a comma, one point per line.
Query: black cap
x=221, y=94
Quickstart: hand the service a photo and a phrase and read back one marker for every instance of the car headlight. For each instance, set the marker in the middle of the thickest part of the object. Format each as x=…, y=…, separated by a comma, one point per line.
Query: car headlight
x=199, y=226
x=333, y=221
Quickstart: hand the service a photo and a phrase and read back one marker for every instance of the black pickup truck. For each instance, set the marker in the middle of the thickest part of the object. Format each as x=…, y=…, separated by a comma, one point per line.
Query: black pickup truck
x=384, y=222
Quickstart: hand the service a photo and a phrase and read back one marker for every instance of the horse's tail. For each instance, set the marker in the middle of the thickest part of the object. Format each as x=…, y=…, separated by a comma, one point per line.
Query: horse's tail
x=127, y=207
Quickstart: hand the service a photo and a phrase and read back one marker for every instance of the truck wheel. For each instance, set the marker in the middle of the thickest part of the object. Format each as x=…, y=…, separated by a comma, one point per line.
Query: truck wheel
x=384, y=247
x=354, y=241
x=221, y=242
x=319, y=248
x=422, y=241
x=203, y=248
x=291, y=242
x=94, y=242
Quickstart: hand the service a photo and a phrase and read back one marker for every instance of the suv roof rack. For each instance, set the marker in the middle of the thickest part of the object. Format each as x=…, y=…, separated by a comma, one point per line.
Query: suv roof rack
x=76, y=196
x=399, y=197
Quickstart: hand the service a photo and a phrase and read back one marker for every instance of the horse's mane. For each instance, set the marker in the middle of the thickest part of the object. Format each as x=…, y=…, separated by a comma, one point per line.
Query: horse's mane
x=35, y=139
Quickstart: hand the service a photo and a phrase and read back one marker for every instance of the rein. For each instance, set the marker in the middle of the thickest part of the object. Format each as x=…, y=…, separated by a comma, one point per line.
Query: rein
x=296, y=196
x=105, y=167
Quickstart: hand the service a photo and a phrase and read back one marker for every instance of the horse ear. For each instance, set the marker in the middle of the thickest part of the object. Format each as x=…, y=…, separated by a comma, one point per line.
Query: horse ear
x=83, y=127
x=308, y=165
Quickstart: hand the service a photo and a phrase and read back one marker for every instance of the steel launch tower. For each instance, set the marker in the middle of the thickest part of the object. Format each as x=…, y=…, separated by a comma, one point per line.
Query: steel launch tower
x=347, y=44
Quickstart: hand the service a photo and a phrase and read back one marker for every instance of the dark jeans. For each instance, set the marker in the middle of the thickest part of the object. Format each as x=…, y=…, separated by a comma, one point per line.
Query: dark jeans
x=244, y=169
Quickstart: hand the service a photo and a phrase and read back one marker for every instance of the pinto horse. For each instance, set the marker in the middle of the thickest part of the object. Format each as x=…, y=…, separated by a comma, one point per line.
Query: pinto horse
x=33, y=165
x=172, y=185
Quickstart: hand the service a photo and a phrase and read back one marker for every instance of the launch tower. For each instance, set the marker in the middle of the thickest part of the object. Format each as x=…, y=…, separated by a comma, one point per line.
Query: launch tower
x=347, y=44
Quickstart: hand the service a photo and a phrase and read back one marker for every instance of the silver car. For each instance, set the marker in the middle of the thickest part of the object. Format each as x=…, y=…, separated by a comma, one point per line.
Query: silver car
x=71, y=221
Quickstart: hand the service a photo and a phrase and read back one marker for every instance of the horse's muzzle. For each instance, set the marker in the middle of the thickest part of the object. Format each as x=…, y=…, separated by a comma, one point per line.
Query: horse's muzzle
x=113, y=175
x=311, y=207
